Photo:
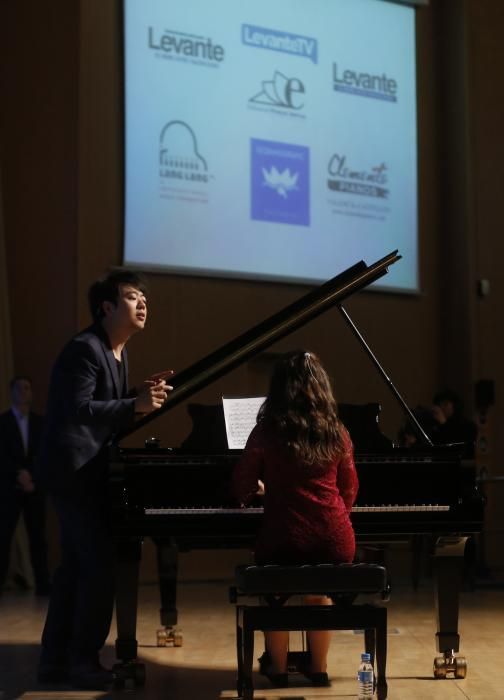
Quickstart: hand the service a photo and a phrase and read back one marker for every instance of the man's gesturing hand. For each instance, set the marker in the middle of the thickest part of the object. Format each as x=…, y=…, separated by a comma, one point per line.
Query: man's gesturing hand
x=24, y=481
x=152, y=395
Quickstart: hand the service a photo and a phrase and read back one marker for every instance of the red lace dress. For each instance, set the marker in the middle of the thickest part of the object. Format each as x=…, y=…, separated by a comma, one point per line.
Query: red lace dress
x=306, y=507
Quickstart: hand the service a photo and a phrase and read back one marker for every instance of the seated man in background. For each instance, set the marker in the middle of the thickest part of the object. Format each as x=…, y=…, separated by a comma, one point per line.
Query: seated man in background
x=443, y=422
x=452, y=426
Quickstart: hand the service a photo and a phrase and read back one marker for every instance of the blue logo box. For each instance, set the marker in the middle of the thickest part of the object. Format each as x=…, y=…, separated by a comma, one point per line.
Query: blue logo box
x=280, y=182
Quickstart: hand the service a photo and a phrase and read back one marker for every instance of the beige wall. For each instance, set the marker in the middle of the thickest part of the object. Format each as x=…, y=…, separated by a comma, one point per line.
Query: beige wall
x=39, y=154
x=62, y=174
x=485, y=52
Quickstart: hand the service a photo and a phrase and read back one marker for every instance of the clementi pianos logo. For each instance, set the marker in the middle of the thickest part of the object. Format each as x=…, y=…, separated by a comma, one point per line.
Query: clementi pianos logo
x=348, y=179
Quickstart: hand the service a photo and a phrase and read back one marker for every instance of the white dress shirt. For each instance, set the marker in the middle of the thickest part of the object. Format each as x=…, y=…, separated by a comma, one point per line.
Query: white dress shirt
x=23, y=425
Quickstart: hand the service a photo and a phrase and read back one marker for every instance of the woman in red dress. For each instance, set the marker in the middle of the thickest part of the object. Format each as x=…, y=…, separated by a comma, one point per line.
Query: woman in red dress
x=303, y=455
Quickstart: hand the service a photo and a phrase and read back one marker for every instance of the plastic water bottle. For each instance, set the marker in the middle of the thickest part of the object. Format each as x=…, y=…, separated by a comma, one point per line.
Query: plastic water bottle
x=365, y=678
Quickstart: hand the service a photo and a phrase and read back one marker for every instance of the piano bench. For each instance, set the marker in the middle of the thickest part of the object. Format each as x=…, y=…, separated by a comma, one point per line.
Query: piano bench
x=274, y=585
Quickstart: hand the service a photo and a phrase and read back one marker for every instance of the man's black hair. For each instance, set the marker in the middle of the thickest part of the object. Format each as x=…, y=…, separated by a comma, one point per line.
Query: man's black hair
x=107, y=289
x=446, y=395
x=453, y=397
x=19, y=378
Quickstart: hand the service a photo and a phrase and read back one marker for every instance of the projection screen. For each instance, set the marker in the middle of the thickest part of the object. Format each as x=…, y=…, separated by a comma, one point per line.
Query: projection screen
x=270, y=140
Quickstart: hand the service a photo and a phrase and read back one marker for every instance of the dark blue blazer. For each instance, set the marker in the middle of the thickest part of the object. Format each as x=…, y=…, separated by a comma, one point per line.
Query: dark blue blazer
x=86, y=405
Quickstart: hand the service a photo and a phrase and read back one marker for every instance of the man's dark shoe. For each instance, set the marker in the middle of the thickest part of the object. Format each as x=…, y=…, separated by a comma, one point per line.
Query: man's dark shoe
x=20, y=582
x=91, y=677
x=43, y=591
x=52, y=673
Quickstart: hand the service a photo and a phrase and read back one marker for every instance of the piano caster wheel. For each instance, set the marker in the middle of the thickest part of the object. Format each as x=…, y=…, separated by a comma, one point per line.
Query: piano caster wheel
x=170, y=636
x=449, y=663
x=129, y=674
x=460, y=667
x=439, y=667
x=178, y=638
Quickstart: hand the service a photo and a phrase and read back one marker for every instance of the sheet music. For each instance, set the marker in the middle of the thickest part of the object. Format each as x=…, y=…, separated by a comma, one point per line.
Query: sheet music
x=240, y=415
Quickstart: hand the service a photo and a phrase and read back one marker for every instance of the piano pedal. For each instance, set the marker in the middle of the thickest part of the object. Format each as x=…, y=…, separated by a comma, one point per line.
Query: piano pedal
x=449, y=663
x=169, y=636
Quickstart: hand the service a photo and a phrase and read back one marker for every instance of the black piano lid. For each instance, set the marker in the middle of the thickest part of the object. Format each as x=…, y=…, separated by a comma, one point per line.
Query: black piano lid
x=294, y=316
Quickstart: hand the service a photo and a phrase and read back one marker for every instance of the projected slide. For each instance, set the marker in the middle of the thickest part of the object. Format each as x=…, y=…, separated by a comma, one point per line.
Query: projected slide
x=270, y=139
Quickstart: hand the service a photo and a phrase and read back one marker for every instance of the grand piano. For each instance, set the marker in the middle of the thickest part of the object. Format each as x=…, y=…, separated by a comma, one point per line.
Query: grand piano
x=181, y=498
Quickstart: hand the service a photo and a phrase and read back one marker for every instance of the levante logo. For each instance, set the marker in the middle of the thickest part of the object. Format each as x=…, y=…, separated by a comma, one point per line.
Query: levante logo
x=181, y=46
x=379, y=87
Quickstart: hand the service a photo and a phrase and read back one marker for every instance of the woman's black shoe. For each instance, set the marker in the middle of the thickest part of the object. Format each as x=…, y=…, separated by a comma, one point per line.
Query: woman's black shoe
x=320, y=680
x=277, y=680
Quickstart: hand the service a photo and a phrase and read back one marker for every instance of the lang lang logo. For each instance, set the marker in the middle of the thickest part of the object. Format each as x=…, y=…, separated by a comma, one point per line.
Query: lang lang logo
x=179, y=157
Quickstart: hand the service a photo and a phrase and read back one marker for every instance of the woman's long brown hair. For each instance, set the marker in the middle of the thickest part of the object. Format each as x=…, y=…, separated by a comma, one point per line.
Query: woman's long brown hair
x=301, y=408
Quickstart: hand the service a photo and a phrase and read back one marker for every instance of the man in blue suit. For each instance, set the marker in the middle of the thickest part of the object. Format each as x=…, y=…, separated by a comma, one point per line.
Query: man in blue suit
x=89, y=402
x=20, y=432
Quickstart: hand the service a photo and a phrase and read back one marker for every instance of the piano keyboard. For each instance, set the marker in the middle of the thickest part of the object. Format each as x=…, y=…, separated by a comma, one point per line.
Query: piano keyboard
x=424, y=508
x=427, y=508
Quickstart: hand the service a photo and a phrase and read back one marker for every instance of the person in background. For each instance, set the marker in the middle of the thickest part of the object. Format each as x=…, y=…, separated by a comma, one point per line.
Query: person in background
x=451, y=424
x=89, y=402
x=20, y=433
x=303, y=456
x=408, y=435
x=443, y=422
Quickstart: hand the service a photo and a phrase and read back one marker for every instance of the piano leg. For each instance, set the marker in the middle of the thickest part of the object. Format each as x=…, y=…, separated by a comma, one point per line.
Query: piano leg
x=167, y=561
x=448, y=567
x=129, y=554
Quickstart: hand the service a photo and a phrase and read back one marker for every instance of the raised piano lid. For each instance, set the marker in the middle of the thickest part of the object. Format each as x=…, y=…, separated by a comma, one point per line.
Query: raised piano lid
x=208, y=429
x=362, y=422
x=195, y=377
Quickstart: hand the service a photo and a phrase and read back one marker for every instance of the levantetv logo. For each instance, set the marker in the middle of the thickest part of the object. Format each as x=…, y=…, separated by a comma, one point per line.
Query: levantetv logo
x=276, y=40
x=380, y=87
x=179, y=158
x=369, y=183
x=280, y=182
